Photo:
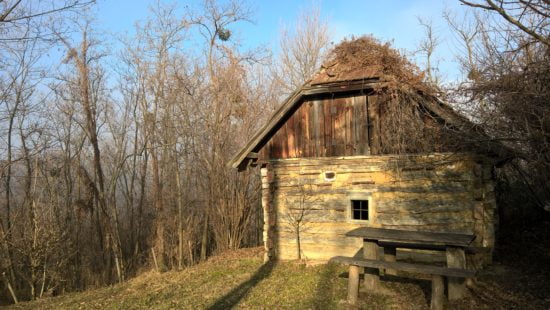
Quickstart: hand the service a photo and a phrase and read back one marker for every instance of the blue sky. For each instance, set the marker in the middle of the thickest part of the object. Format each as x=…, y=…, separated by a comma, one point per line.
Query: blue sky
x=386, y=19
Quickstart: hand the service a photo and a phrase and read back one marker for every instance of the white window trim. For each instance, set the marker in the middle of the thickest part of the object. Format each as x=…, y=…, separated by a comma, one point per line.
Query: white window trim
x=349, y=213
x=327, y=178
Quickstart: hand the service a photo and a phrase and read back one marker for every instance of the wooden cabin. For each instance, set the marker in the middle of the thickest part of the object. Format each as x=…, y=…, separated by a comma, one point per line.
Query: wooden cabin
x=359, y=146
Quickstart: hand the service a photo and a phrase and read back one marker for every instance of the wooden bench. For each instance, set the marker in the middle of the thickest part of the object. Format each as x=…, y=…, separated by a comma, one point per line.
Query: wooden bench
x=438, y=273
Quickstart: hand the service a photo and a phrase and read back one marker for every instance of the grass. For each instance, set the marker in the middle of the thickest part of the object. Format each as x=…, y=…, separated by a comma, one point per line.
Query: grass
x=234, y=279
x=240, y=280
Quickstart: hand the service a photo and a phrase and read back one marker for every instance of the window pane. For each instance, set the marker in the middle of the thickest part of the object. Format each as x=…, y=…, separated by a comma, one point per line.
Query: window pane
x=360, y=209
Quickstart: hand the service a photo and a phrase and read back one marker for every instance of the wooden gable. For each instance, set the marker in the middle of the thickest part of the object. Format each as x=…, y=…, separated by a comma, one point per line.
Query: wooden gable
x=323, y=127
x=348, y=124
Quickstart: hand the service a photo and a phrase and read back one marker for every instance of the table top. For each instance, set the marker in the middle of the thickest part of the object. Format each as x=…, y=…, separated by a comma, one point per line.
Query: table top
x=396, y=235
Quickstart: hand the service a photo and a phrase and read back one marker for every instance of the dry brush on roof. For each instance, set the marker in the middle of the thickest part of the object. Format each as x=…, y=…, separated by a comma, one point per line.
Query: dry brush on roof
x=416, y=120
x=367, y=57
x=406, y=125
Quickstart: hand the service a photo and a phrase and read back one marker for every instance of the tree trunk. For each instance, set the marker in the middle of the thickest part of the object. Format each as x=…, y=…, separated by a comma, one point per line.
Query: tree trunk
x=159, y=225
x=180, y=216
x=298, y=245
x=204, y=239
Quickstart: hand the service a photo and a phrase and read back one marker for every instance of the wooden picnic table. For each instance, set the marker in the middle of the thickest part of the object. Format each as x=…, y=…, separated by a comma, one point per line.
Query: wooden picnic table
x=390, y=239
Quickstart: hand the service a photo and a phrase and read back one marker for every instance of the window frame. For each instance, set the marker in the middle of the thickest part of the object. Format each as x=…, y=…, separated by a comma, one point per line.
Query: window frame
x=360, y=197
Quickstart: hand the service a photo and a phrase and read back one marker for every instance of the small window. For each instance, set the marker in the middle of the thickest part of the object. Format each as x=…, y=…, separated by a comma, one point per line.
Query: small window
x=330, y=176
x=360, y=210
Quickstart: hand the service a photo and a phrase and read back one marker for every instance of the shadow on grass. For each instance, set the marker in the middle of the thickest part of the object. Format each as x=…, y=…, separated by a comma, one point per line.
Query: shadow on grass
x=325, y=293
x=397, y=283
x=232, y=298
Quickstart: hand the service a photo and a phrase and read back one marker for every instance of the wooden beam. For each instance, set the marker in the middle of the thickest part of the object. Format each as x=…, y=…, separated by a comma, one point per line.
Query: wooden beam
x=438, y=293
x=390, y=256
x=353, y=284
x=252, y=155
x=456, y=258
x=371, y=276
x=382, y=234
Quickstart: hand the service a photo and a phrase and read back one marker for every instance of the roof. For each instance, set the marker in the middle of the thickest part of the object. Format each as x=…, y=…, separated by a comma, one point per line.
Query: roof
x=360, y=64
x=366, y=57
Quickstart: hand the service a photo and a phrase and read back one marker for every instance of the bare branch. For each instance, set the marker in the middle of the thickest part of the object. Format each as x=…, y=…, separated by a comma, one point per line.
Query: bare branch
x=492, y=6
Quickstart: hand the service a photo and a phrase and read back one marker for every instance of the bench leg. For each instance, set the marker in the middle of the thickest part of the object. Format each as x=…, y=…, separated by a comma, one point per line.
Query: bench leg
x=456, y=258
x=372, y=276
x=438, y=293
x=389, y=256
x=353, y=284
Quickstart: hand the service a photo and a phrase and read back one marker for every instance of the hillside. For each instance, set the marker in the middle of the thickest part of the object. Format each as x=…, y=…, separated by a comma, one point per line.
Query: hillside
x=238, y=279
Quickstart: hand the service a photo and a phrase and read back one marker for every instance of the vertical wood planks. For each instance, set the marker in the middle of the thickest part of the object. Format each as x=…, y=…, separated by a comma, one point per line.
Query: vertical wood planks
x=327, y=106
x=350, y=145
x=310, y=130
x=300, y=131
x=373, y=124
x=318, y=128
x=323, y=128
x=291, y=139
x=360, y=119
x=338, y=125
x=356, y=125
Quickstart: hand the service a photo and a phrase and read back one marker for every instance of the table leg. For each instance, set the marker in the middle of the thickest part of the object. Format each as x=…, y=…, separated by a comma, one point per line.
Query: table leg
x=438, y=293
x=456, y=258
x=372, y=277
x=389, y=256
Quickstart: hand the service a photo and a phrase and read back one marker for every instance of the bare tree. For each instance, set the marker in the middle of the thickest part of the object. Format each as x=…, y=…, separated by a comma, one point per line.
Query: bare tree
x=426, y=47
x=466, y=31
x=89, y=92
x=530, y=16
x=509, y=89
x=98, y=175
x=222, y=98
x=15, y=10
x=16, y=15
x=17, y=85
x=298, y=212
x=303, y=48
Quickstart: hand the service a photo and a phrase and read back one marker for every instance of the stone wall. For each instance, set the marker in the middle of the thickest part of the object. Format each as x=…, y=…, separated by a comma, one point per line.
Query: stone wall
x=438, y=192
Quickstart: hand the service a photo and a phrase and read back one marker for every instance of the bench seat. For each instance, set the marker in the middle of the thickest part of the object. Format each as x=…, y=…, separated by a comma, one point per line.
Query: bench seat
x=408, y=267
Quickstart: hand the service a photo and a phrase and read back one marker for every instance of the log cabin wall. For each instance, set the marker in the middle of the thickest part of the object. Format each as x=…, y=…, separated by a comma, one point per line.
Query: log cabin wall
x=437, y=192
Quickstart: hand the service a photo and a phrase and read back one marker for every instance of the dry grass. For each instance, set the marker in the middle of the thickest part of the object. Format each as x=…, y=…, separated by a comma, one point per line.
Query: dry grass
x=238, y=279
x=233, y=278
